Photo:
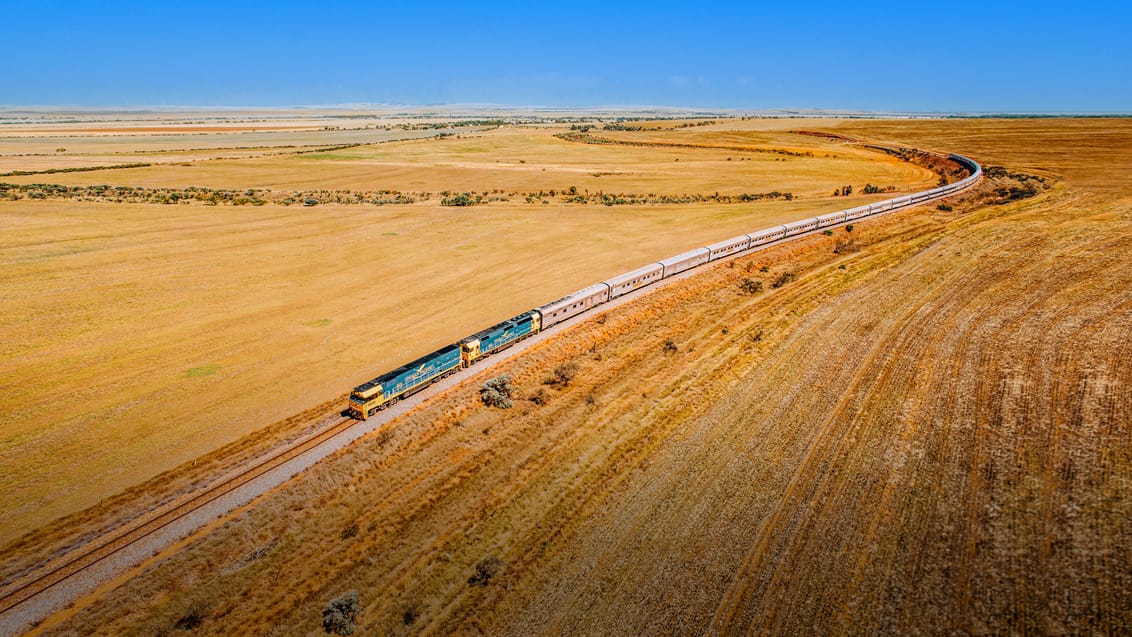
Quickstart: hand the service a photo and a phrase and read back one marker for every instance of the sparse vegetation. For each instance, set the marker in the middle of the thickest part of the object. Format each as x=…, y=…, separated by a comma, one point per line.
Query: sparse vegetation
x=193, y=617
x=486, y=569
x=539, y=397
x=563, y=374
x=751, y=286
x=870, y=189
x=461, y=199
x=783, y=278
x=846, y=246
x=497, y=392
x=341, y=615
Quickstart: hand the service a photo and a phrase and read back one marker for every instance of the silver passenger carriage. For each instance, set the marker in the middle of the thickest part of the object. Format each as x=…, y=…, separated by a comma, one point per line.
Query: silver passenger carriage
x=831, y=219
x=799, y=227
x=728, y=247
x=625, y=283
x=763, y=237
x=573, y=304
x=686, y=261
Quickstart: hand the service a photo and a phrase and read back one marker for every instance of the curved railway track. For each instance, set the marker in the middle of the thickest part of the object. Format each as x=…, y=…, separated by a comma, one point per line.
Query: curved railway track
x=16, y=593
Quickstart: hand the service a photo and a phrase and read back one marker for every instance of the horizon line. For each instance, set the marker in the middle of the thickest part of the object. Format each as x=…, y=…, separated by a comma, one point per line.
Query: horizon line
x=601, y=108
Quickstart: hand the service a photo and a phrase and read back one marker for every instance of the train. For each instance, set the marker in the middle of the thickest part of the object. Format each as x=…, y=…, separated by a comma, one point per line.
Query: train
x=370, y=397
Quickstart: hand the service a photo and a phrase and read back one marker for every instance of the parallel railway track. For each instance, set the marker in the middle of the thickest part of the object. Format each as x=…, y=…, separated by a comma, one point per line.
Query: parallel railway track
x=134, y=531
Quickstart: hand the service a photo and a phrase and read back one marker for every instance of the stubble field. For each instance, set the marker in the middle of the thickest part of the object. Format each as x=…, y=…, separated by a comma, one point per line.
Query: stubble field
x=924, y=431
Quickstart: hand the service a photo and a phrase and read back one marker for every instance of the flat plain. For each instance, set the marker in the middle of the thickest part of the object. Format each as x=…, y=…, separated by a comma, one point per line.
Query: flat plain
x=919, y=426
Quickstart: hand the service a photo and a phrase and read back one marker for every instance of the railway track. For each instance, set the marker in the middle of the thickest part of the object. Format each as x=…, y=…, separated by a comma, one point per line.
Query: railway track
x=136, y=530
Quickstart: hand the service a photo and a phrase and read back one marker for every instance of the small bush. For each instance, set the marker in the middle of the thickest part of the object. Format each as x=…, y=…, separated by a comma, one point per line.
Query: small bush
x=751, y=286
x=462, y=199
x=849, y=228
x=192, y=618
x=497, y=392
x=944, y=207
x=539, y=397
x=310, y=201
x=669, y=346
x=341, y=614
x=486, y=569
x=783, y=279
x=828, y=233
x=563, y=374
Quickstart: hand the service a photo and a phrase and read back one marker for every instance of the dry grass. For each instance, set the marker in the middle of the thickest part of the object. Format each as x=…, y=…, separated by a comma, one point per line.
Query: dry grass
x=21, y=151
x=526, y=159
x=136, y=338
x=929, y=435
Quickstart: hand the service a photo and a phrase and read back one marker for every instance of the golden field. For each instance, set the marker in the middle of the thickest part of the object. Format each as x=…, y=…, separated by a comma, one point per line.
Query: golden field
x=139, y=337
x=928, y=430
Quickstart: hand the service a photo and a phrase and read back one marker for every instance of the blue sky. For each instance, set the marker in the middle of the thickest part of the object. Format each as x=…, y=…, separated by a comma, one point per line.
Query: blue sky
x=908, y=56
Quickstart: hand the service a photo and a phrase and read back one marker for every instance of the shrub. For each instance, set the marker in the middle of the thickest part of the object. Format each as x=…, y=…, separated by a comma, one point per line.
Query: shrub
x=783, y=279
x=310, y=201
x=462, y=199
x=751, y=286
x=539, y=397
x=565, y=373
x=846, y=246
x=669, y=346
x=497, y=392
x=828, y=233
x=944, y=207
x=849, y=228
x=341, y=614
x=486, y=569
x=192, y=618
